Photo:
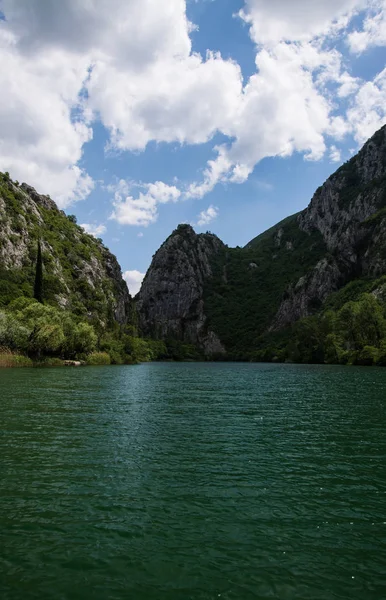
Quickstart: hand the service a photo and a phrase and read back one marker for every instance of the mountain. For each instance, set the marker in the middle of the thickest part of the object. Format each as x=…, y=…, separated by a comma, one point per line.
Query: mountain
x=80, y=274
x=227, y=301
x=171, y=300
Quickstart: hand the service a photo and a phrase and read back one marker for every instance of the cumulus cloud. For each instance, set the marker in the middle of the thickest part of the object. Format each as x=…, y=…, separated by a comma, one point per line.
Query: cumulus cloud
x=185, y=100
x=134, y=281
x=141, y=210
x=131, y=32
x=367, y=112
x=129, y=64
x=335, y=154
x=93, y=229
x=280, y=20
x=373, y=32
x=282, y=110
x=207, y=216
x=40, y=141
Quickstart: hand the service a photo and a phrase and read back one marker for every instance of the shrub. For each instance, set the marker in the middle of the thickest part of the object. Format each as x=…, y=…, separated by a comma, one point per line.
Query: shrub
x=12, y=359
x=98, y=358
x=13, y=335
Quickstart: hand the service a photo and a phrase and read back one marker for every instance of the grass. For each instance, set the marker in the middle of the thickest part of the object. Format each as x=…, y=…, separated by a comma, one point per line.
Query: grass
x=10, y=359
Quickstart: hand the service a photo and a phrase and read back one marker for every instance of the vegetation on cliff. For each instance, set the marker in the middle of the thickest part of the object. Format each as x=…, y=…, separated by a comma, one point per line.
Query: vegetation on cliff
x=286, y=294
x=244, y=294
x=350, y=330
x=62, y=295
x=78, y=272
x=310, y=289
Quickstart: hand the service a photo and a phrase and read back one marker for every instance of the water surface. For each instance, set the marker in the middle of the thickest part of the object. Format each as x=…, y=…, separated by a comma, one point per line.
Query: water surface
x=193, y=481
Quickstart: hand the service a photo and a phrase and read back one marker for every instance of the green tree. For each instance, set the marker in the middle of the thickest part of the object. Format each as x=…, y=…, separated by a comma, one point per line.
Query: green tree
x=38, y=287
x=13, y=334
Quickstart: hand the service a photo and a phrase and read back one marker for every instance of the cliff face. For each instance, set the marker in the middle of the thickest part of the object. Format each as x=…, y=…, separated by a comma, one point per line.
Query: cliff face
x=205, y=293
x=170, y=303
x=348, y=211
x=80, y=273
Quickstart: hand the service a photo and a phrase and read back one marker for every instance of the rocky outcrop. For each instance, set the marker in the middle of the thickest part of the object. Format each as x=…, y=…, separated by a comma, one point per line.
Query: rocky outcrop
x=309, y=293
x=349, y=197
x=284, y=274
x=171, y=301
x=80, y=273
x=343, y=211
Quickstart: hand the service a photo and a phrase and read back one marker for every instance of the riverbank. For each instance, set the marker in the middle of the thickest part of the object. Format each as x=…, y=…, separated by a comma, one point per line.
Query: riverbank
x=10, y=359
x=13, y=360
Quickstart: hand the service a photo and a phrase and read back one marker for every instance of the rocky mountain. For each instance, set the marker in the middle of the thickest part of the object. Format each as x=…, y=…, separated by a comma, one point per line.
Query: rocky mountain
x=80, y=274
x=224, y=299
x=171, y=301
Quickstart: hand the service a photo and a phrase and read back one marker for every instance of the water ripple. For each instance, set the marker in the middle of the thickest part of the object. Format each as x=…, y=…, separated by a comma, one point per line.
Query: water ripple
x=193, y=481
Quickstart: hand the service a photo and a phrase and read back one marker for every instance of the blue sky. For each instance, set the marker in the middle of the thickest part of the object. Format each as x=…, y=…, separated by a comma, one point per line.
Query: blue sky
x=136, y=115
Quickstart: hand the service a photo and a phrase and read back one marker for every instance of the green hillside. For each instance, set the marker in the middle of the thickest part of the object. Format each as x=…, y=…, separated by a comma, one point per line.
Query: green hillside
x=248, y=283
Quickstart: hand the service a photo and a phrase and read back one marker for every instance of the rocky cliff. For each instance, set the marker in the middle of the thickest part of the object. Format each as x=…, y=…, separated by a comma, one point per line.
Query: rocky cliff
x=349, y=212
x=203, y=292
x=80, y=274
x=171, y=300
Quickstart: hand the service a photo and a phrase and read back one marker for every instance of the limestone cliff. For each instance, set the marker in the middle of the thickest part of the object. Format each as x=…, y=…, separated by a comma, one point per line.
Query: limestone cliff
x=80, y=273
x=170, y=303
x=199, y=290
x=348, y=211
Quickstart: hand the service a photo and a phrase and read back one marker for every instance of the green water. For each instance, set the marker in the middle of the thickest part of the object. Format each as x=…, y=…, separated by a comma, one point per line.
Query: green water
x=193, y=481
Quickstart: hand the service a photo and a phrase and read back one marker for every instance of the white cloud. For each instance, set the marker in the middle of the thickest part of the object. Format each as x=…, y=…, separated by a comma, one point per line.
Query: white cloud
x=216, y=171
x=207, y=216
x=129, y=63
x=93, y=229
x=134, y=280
x=131, y=32
x=183, y=100
x=300, y=20
x=335, y=154
x=373, y=32
x=140, y=235
x=40, y=142
x=133, y=57
x=282, y=110
x=142, y=210
x=368, y=108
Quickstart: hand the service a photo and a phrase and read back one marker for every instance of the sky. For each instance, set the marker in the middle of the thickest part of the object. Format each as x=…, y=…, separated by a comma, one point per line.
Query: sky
x=138, y=115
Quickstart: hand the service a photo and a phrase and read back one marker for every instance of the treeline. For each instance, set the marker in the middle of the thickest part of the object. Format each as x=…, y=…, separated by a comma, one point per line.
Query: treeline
x=354, y=334
x=46, y=335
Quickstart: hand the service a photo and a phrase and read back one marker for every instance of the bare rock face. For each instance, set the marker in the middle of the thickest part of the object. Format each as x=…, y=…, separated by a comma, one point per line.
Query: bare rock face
x=170, y=303
x=309, y=293
x=349, y=197
x=347, y=211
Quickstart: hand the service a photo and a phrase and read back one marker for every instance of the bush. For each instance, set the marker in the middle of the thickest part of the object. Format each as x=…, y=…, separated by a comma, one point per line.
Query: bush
x=13, y=335
x=98, y=358
x=12, y=359
x=367, y=357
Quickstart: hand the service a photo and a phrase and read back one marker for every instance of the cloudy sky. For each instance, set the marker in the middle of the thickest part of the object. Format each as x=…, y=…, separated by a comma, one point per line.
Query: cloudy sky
x=137, y=115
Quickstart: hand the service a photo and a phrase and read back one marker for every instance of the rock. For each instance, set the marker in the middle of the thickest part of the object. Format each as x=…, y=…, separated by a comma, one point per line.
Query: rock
x=87, y=277
x=170, y=303
x=342, y=210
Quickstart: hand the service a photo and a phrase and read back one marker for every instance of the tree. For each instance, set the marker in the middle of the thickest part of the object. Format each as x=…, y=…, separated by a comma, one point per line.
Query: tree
x=38, y=287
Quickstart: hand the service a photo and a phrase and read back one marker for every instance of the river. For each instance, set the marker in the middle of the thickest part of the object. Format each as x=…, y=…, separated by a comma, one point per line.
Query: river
x=197, y=481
